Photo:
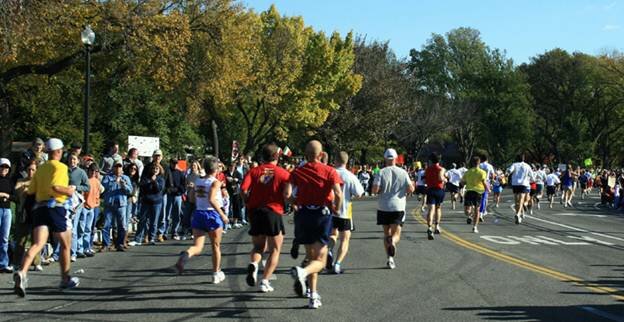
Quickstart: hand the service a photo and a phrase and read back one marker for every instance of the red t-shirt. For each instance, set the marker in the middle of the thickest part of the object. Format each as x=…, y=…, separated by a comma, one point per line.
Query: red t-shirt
x=314, y=182
x=265, y=184
x=432, y=177
x=221, y=177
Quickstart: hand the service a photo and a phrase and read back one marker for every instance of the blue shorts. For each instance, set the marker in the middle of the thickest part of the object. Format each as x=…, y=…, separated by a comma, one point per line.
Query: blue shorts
x=56, y=219
x=497, y=189
x=435, y=196
x=206, y=220
x=313, y=225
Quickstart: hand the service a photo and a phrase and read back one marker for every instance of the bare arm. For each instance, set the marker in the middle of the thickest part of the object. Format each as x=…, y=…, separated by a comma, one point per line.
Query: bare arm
x=67, y=191
x=215, y=189
x=337, y=197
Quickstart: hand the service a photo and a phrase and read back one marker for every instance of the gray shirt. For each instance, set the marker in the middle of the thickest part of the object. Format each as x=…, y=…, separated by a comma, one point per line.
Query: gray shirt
x=393, y=183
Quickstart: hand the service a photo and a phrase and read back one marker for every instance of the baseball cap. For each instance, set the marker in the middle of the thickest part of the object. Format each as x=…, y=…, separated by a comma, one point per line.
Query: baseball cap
x=38, y=141
x=157, y=152
x=118, y=162
x=5, y=161
x=53, y=144
x=390, y=154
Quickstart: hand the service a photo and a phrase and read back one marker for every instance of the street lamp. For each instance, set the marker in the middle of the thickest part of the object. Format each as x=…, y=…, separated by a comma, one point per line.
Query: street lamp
x=88, y=38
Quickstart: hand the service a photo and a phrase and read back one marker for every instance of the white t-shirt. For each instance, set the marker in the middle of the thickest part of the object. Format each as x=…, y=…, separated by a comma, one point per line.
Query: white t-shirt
x=420, y=178
x=351, y=187
x=454, y=176
x=462, y=171
x=552, y=180
x=540, y=177
x=520, y=174
x=489, y=170
x=202, y=193
x=393, y=182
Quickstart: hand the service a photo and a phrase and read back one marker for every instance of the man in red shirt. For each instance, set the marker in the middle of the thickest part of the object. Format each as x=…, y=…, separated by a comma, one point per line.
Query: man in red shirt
x=435, y=179
x=264, y=189
x=315, y=183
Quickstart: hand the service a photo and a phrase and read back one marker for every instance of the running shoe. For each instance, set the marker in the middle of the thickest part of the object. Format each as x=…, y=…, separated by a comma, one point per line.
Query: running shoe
x=252, y=274
x=71, y=282
x=315, y=301
x=475, y=230
x=337, y=268
x=73, y=258
x=468, y=221
x=21, y=282
x=437, y=230
x=299, y=275
x=330, y=260
x=391, y=264
x=517, y=219
x=429, y=234
x=218, y=277
x=184, y=257
x=133, y=244
x=37, y=268
x=265, y=286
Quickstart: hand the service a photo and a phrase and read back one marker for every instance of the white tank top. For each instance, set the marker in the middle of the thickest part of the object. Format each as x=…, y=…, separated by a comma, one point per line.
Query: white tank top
x=202, y=194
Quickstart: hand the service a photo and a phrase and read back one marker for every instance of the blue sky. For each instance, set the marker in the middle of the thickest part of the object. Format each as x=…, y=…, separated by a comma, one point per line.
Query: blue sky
x=522, y=28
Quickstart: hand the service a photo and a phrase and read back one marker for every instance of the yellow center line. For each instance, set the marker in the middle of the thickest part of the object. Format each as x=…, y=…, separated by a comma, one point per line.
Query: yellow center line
x=615, y=293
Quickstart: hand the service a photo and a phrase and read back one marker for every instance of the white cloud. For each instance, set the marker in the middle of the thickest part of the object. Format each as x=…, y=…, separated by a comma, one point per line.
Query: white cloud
x=611, y=27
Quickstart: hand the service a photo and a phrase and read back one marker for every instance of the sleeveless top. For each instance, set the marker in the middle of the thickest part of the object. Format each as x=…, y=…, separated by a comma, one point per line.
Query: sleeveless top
x=432, y=177
x=202, y=194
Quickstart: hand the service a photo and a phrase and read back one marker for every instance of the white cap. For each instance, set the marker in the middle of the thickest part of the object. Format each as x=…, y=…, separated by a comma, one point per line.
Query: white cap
x=53, y=144
x=390, y=154
x=157, y=152
x=5, y=161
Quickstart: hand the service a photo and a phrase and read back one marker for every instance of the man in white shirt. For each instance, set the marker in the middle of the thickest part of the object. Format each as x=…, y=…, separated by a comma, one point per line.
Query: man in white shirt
x=552, y=180
x=392, y=184
x=454, y=179
x=489, y=171
x=343, y=222
x=520, y=173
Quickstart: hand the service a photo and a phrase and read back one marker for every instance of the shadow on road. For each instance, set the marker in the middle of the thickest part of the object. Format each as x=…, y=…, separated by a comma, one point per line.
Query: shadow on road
x=547, y=313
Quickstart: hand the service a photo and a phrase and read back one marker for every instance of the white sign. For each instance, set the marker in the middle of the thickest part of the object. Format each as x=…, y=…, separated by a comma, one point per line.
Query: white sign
x=144, y=144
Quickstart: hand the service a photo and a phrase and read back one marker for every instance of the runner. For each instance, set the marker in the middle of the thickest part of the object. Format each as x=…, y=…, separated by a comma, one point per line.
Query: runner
x=489, y=171
x=462, y=189
x=208, y=218
x=520, y=174
x=497, y=186
x=476, y=184
x=343, y=220
x=583, y=180
x=315, y=183
x=540, y=178
x=435, y=179
x=264, y=190
x=552, y=180
x=52, y=191
x=567, y=185
x=454, y=181
x=392, y=184
x=421, y=186
x=532, y=191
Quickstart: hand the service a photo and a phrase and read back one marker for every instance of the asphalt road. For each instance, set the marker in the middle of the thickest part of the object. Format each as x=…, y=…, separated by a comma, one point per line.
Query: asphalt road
x=563, y=264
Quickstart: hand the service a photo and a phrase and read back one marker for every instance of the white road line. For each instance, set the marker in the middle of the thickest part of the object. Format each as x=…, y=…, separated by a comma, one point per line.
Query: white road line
x=579, y=215
x=603, y=314
x=574, y=228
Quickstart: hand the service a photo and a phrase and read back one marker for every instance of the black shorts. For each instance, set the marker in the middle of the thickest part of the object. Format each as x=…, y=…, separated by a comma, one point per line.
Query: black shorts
x=452, y=188
x=390, y=217
x=56, y=219
x=533, y=192
x=540, y=188
x=551, y=190
x=521, y=189
x=435, y=196
x=264, y=221
x=342, y=224
x=421, y=190
x=583, y=185
x=472, y=198
x=313, y=225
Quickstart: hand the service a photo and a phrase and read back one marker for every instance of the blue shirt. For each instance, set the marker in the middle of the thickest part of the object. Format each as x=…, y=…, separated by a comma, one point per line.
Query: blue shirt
x=116, y=194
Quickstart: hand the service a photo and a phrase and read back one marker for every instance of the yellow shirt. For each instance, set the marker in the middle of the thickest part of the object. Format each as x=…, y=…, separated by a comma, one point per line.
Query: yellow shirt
x=52, y=173
x=474, y=179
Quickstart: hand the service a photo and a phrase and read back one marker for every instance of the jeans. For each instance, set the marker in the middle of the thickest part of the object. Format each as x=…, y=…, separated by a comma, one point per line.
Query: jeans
x=96, y=217
x=119, y=215
x=163, y=223
x=5, y=229
x=186, y=218
x=85, y=233
x=77, y=221
x=174, y=209
x=148, y=223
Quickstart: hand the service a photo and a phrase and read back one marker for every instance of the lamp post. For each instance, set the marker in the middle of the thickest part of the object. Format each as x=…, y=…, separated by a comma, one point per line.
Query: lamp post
x=88, y=38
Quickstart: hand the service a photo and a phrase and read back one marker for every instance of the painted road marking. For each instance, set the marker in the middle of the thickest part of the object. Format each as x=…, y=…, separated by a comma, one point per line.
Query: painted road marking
x=615, y=293
x=579, y=215
x=575, y=228
x=537, y=240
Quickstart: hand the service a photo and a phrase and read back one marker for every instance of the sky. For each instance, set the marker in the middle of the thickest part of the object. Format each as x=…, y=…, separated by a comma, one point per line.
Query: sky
x=523, y=29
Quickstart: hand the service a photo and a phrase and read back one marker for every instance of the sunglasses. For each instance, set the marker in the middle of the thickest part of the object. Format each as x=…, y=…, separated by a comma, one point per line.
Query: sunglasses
x=118, y=165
